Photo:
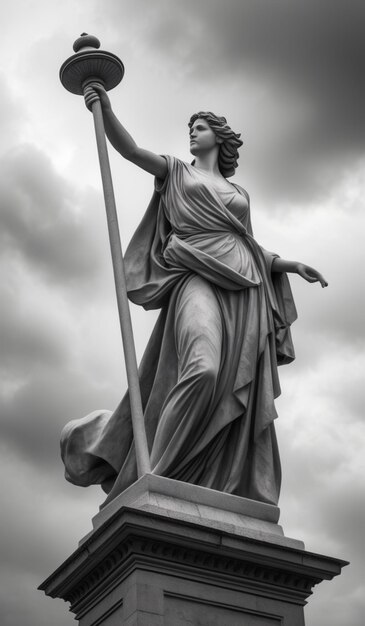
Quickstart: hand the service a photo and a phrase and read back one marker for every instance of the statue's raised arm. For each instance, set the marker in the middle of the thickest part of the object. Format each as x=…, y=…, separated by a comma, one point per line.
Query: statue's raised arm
x=119, y=136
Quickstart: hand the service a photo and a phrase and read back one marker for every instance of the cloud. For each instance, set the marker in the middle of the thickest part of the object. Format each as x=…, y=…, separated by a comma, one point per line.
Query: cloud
x=323, y=491
x=42, y=220
x=289, y=76
x=59, y=328
x=34, y=501
x=61, y=358
x=314, y=49
x=58, y=323
x=12, y=115
x=327, y=235
x=289, y=73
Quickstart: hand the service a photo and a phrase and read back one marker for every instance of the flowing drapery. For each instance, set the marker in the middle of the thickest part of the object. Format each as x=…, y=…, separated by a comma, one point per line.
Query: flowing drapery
x=209, y=373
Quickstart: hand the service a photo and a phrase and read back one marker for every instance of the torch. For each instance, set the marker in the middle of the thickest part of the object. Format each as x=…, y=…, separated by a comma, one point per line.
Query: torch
x=91, y=65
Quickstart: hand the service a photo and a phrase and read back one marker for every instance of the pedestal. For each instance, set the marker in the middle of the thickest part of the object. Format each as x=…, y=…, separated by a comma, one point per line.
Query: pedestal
x=166, y=553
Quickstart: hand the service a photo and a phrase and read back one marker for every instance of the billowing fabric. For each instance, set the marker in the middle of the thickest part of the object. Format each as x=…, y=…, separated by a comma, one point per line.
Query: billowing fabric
x=209, y=373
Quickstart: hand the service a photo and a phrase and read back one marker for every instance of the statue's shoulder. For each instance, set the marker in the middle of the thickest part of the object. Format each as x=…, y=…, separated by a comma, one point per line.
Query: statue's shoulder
x=242, y=191
x=174, y=163
x=174, y=178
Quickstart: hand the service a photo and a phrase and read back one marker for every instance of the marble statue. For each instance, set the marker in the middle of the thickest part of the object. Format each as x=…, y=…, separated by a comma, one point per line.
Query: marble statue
x=208, y=376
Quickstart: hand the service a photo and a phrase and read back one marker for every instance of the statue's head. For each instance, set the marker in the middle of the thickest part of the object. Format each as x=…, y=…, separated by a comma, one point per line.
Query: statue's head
x=229, y=141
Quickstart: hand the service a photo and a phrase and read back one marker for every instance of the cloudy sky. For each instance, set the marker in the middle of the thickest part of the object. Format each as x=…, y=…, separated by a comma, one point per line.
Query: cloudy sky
x=289, y=75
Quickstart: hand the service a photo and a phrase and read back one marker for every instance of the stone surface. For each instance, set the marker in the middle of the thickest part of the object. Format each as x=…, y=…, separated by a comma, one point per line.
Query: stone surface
x=140, y=568
x=207, y=507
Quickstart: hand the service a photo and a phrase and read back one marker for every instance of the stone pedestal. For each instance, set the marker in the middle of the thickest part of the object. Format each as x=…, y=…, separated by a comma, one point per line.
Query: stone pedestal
x=166, y=553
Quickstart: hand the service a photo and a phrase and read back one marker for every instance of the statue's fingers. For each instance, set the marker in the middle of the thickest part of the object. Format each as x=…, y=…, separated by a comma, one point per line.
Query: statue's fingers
x=89, y=89
x=323, y=281
x=90, y=99
x=91, y=93
x=317, y=278
x=98, y=87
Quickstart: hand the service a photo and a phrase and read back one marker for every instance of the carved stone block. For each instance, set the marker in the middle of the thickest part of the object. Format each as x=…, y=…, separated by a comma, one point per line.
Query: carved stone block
x=143, y=567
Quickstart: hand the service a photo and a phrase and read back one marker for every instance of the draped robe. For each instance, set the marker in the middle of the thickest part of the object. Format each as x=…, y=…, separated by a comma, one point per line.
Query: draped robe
x=208, y=376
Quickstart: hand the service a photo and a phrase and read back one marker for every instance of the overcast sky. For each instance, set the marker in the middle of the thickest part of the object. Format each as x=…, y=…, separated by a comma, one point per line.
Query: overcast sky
x=288, y=75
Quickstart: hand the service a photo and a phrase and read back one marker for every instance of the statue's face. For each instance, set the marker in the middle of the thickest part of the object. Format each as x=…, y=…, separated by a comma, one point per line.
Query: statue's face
x=202, y=137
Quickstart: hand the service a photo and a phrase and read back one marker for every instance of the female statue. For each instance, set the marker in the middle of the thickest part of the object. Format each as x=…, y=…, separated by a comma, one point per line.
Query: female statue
x=209, y=373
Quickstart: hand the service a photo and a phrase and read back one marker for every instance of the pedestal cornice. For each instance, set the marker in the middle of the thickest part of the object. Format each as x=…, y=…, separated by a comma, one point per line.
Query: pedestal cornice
x=133, y=539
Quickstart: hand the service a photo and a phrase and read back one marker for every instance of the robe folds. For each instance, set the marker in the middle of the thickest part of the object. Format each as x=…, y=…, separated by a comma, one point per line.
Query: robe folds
x=208, y=376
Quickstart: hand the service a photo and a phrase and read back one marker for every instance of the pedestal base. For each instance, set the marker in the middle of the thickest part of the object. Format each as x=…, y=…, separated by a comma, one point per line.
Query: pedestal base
x=149, y=562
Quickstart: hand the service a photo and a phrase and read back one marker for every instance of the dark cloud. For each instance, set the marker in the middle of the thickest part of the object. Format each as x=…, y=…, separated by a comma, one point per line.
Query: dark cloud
x=38, y=501
x=315, y=49
x=33, y=416
x=32, y=335
x=45, y=222
x=296, y=68
x=33, y=501
x=33, y=608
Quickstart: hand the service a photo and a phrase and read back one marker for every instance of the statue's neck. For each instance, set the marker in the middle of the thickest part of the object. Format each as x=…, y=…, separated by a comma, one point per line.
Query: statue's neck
x=208, y=162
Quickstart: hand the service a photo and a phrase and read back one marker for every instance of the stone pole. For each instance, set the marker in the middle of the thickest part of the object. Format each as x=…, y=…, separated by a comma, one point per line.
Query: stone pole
x=91, y=65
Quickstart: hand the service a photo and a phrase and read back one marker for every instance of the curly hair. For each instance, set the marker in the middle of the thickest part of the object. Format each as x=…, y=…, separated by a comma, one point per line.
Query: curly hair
x=228, y=151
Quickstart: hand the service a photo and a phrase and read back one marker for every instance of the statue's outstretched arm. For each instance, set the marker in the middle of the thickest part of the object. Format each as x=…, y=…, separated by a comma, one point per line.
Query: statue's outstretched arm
x=119, y=137
x=305, y=271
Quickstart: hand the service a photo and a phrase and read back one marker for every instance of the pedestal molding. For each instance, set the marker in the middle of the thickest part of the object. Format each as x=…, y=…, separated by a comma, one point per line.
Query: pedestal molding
x=135, y=540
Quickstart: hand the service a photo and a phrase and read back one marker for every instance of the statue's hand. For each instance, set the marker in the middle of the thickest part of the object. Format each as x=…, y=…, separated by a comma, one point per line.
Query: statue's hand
x=310, y=274
x=94, y=92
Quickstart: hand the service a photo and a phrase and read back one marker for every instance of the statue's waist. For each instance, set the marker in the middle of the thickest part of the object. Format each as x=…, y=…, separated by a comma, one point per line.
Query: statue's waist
x=216, y=253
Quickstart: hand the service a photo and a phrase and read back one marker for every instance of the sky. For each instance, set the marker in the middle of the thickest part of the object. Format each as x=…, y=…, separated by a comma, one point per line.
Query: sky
x=288, y=75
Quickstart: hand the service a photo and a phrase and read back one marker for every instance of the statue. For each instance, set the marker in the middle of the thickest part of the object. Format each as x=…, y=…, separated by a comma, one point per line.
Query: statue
x=208, y=377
